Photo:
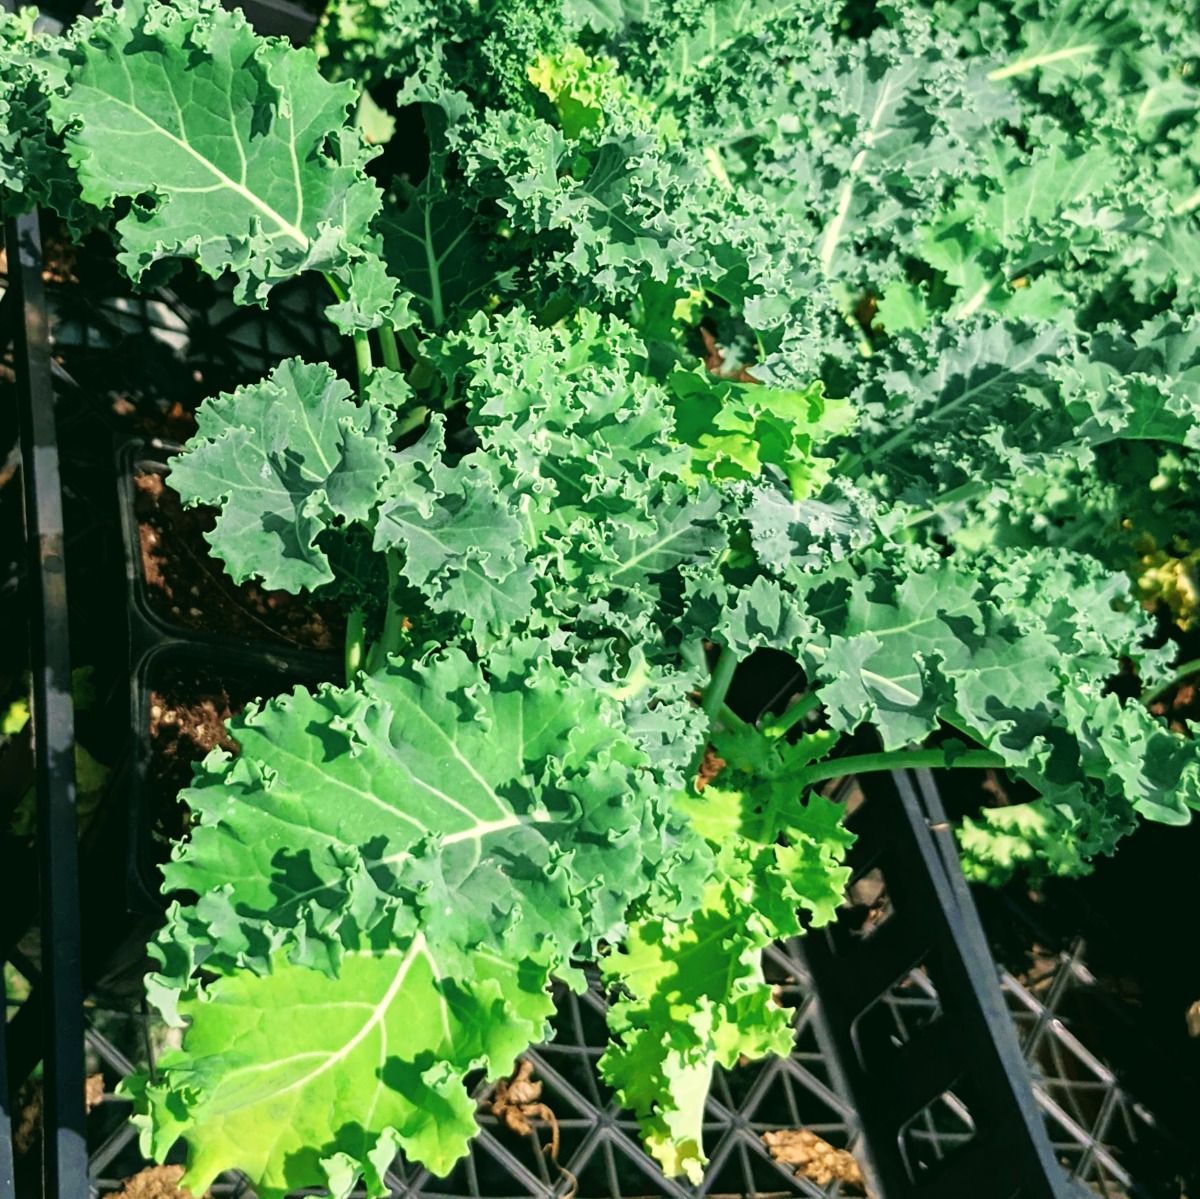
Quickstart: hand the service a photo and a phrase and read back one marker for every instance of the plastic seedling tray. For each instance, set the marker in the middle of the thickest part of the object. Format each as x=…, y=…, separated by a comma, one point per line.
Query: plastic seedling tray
x=231, y=623
x=946, y=1100
x=211, y=678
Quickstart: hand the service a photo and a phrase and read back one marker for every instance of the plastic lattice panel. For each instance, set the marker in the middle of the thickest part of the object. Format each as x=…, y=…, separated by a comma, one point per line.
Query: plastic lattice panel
x=1096, y=1126
x=1094, y=1123
x=599, y=1153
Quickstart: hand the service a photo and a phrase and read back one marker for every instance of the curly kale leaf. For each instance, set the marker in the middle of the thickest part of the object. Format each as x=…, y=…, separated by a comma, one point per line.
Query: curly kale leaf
x=220, y=145
x=693, y=995
x=436, y=839
x=287, y=461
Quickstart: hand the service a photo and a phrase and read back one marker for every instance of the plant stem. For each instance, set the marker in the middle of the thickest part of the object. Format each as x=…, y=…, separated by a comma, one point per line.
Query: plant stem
x=718, y=684
x=356, y=644
x=413, y=418
x=392, y=638
x=362, y=341
x=807, y=703
x=338, y=290
x=1181, y=673
x=362, y=356
x=712, y=702
x=730, y=719
x=896, y=759
x=391, y=352
x=410, y=341
x=967, y=491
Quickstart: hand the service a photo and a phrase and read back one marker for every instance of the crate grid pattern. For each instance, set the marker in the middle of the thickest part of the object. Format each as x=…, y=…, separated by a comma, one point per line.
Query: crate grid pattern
x=600, y=1154
x=1091, y=1119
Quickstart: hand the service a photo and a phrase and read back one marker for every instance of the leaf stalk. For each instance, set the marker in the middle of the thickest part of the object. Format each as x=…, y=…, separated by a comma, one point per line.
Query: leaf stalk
x=897, y=759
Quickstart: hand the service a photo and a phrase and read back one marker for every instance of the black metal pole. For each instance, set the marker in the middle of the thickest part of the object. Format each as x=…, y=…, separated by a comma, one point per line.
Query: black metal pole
x=8, y=1183
x=64, y=1140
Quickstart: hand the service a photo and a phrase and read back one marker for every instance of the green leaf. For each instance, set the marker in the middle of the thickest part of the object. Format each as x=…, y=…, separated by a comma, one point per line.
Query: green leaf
x=433, y=839
x=286, y=461
x=734, y=429
x=929, y=644
x=226, y=147
x=694, y=994
x=462, y=543
x=441, y=254
x=300, y=1079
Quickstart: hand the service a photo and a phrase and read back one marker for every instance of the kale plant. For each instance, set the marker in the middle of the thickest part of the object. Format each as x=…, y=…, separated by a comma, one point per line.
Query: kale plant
x=682, y=331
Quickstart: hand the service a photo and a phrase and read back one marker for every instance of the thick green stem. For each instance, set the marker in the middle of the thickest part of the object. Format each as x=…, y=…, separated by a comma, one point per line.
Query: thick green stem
x=730, y=719
x=335, y=286
x=362, y=357
x=1181, y=674
x=712, y=702
x=718, y=684
x=391, y=640
x=391, y=351
x=356, y=644
x=421, y=374
x=967, y=491
x=411, y=342
x=897, y=759
x=411, y=420
x=806, y=704
x=362, y=343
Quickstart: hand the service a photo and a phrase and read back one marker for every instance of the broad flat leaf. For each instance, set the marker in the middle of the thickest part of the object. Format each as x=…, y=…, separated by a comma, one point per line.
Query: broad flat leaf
x=33, y=168
x=505, y=821
x=300, y=1079
x=762, y=616
x=370, y=297
x=1061, y=44
x=682, y=529
x=285, y=460
x=232, y=149
x=697, y=999
x=1035, y=839
x=798, y=538
x=443, y=785
x=1135, y=755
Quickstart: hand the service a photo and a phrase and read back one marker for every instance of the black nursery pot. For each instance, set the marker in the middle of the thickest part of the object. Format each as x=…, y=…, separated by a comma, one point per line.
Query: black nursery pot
x=178, y=591
x=200, y=649
x=183, y=693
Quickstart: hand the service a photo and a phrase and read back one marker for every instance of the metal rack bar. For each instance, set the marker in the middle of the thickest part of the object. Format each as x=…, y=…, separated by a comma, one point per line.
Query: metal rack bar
x=64, y=1144
x=8, y=1184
